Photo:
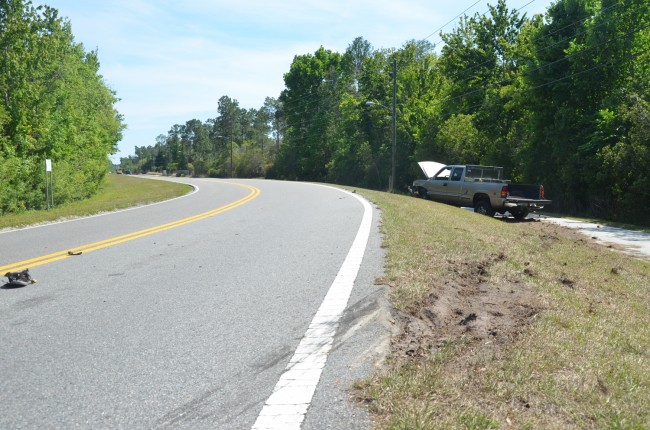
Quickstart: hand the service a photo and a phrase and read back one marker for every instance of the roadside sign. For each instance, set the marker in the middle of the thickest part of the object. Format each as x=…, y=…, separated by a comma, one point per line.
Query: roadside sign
x=48, y=165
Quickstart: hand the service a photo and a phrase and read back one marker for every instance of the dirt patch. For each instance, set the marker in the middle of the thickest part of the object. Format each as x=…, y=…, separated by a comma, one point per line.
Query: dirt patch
x=552, y=232
x=466, y=305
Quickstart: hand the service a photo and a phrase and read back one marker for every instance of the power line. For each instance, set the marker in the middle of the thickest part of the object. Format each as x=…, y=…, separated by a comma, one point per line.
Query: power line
x=565, y=58
x=599, y=66
x=308, y=96
x=309, y=100
x=308, y=126
x=452, y=20
x=563, y=78
x=584, y=19
x=548, y=47
x=527, y=72
x=479, y=15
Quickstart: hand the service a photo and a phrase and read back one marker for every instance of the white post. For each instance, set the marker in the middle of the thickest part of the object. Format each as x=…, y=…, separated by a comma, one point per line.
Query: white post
x=49, y=189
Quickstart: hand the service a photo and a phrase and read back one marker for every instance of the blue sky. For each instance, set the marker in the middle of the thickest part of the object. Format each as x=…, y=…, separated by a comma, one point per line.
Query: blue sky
x=171, y=61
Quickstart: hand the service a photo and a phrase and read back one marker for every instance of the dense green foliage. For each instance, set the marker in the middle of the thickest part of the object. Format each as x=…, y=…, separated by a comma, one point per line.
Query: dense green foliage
x=560, y=99
x=53, y=105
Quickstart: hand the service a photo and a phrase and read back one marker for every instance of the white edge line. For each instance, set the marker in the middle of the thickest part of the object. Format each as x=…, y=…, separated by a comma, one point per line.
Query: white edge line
x=47, y=224
x=287, y=406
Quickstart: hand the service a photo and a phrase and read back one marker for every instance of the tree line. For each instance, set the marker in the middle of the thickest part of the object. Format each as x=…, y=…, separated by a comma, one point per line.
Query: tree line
x=559, y=99
x=238, y=142
x=54, y=105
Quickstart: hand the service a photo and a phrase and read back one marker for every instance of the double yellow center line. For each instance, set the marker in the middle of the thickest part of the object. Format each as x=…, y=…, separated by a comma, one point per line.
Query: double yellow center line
x=60, y=255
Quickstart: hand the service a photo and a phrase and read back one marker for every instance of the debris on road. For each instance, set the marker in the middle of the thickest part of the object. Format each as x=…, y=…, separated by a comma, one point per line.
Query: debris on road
x=19, y=279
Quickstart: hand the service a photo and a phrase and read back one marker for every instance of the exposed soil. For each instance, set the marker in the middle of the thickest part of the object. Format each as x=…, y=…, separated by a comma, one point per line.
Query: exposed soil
x=465, y=305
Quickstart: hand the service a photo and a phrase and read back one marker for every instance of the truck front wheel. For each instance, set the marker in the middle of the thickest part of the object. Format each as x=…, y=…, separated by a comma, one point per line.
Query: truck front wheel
x=484, y=207
x=423, y=193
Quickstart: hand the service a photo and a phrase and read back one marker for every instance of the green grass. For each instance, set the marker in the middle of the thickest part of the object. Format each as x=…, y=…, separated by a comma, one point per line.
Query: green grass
x=582, y=362
x=117, y=192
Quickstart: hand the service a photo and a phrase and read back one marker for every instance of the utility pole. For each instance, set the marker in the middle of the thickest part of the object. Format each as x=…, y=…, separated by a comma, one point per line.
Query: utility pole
x=277, y=131
x=394, y=155
x=232, y=137
x=393, y=111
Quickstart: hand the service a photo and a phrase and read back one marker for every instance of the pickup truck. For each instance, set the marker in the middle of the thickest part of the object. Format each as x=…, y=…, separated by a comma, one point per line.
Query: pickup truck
x=480, y=187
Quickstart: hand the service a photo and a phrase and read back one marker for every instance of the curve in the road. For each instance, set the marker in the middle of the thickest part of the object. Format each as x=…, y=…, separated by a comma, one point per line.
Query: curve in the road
x=60, y=255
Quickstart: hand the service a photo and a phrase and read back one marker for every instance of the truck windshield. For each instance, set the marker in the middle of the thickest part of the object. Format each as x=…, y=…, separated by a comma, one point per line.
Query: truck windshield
x=443, y=175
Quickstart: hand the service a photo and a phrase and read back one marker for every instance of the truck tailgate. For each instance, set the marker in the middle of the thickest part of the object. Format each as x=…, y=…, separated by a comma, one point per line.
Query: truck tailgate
x=522, y=191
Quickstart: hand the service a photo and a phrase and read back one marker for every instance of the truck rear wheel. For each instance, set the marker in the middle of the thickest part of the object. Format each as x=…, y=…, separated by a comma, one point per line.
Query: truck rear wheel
x=484, y=207
x=520, y=214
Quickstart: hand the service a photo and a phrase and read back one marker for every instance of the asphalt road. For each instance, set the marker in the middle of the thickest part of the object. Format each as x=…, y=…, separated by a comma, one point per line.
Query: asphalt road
x=185, y=314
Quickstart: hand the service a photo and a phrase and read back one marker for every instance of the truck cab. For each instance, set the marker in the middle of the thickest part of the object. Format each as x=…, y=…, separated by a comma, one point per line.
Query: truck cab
x=447, y=185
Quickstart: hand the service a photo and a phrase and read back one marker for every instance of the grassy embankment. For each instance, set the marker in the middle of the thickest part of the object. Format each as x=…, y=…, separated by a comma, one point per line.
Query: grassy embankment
x=118, y=192
x=576, y=357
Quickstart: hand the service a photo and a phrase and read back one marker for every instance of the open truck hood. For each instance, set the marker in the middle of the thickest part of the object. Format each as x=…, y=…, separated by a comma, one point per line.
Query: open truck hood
x=430, y=168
